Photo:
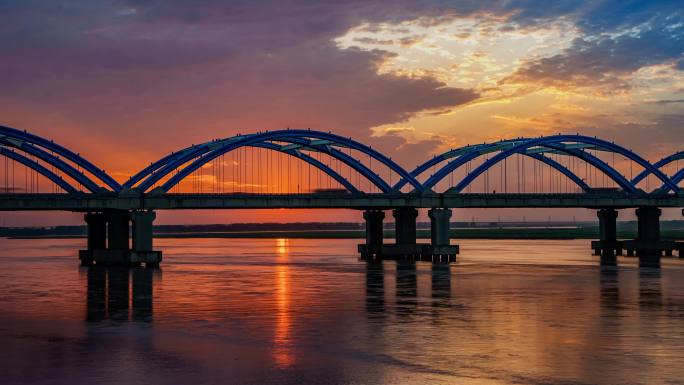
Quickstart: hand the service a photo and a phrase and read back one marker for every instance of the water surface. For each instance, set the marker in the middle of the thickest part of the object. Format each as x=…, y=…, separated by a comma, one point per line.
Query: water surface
x=307, y=311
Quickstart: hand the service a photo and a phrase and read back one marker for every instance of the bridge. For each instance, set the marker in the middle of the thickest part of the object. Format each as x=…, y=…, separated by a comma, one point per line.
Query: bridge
x=296, y=168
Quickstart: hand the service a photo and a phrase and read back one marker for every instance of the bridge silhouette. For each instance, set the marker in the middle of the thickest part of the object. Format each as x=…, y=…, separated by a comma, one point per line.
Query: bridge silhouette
x=297, y=168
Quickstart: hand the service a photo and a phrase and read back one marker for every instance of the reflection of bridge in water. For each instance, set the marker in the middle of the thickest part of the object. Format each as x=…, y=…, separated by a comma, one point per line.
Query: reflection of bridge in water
x=119, y=294
x=312, y=169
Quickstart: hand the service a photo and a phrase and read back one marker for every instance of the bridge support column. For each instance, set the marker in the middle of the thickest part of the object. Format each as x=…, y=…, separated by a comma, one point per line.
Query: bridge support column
x=118, y=230
x=374, y=234
x=647, y=244
x=142, y=222
x=405, y=225
x=96, y=224
x=142, y=229
x=608, y=246
x=108, y=239
x=97, y=231
x=439, y=235
x=439, y=226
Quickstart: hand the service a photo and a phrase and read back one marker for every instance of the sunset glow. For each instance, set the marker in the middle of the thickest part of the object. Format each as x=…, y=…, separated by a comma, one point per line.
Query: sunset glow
x=410, y=80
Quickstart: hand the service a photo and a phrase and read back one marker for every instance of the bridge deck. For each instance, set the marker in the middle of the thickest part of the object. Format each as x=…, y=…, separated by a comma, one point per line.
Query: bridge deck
x=93, y=202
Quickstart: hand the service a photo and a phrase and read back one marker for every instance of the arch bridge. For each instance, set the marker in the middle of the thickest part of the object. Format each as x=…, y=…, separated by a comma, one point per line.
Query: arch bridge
x=303, y=168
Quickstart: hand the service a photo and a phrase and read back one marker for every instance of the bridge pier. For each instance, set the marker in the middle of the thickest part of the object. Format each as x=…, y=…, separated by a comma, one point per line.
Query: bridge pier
x=96, y=225
x=440, y=246
x=143, y=235
x=607, y=247
x=406, y=246
x=117, y=230
x=109, y=239
x=647, y=245
x=372, y=249
x=405, y=225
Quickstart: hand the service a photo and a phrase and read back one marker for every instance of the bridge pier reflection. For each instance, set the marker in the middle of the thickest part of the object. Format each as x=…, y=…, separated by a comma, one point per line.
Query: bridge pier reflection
x=375, y=288
x=108, y=233
x=112, y=295
x=441, y=281
x=406, y=287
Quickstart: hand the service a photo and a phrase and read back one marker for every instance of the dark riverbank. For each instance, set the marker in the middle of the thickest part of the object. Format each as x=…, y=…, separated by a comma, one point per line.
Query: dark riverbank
x=669, y=231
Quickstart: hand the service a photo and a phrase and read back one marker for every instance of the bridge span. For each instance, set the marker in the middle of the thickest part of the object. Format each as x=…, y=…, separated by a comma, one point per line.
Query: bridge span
x=321, y=170
x=357, y=201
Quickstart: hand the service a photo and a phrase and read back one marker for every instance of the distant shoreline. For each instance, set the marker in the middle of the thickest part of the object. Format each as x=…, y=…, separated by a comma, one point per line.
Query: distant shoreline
x=479, y=233
x=351, y=230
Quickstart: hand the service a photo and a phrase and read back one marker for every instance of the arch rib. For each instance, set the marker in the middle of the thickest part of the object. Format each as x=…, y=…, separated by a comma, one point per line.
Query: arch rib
x=62, y=151
x=659, y=164
x=40, y=169
x=172, y=161
x=54, y=161
x=564, y=170
x=314, y=162
x=557, y=141
x=206, y=153
x=489, y=147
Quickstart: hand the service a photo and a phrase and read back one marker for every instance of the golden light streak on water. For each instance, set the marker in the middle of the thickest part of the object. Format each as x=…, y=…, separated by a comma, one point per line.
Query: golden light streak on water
x=282, y=344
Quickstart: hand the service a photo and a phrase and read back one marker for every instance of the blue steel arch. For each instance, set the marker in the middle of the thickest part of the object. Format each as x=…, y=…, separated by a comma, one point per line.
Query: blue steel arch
x=346, y=159
x=30, y=143
x=39, y=168
x=660, y=164
x=191, y=152
x=209, y=151
x=678, y=176
x=314, y=162
x=562, y=169
x=53, y=160
x=480, y=149
x=556, y=142
x=444, y=156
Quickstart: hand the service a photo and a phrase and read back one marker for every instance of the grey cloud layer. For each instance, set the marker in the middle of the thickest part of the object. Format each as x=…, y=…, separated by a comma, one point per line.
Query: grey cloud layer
x=130, y=70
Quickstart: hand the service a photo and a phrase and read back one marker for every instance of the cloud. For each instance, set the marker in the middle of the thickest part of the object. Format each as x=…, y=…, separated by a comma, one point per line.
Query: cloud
x=669, y=101
x=128, y=73
x=605, y=61
x=663, y=135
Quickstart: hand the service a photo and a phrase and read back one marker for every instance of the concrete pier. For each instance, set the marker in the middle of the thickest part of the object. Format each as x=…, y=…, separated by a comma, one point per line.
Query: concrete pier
x=117, y=230
x=647, y=245
x=607, y=247
x=405, y=225
x=372, y=249
x=96, y=224
x=109, y=239
x=142, y=231
x=405, y=246
x=440, y=246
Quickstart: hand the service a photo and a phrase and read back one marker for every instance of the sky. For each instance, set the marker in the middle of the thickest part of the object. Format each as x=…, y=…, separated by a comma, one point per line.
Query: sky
x=126, y=82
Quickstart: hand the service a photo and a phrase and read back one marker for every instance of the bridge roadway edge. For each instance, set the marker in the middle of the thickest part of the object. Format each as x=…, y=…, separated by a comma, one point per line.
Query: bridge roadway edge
x=95, y=202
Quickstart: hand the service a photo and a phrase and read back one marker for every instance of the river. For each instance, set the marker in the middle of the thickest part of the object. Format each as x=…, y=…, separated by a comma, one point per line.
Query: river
x=307, y=311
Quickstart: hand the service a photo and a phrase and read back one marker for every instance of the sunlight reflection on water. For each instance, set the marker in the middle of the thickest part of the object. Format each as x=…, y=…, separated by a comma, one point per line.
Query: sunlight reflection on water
x=307, y=311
